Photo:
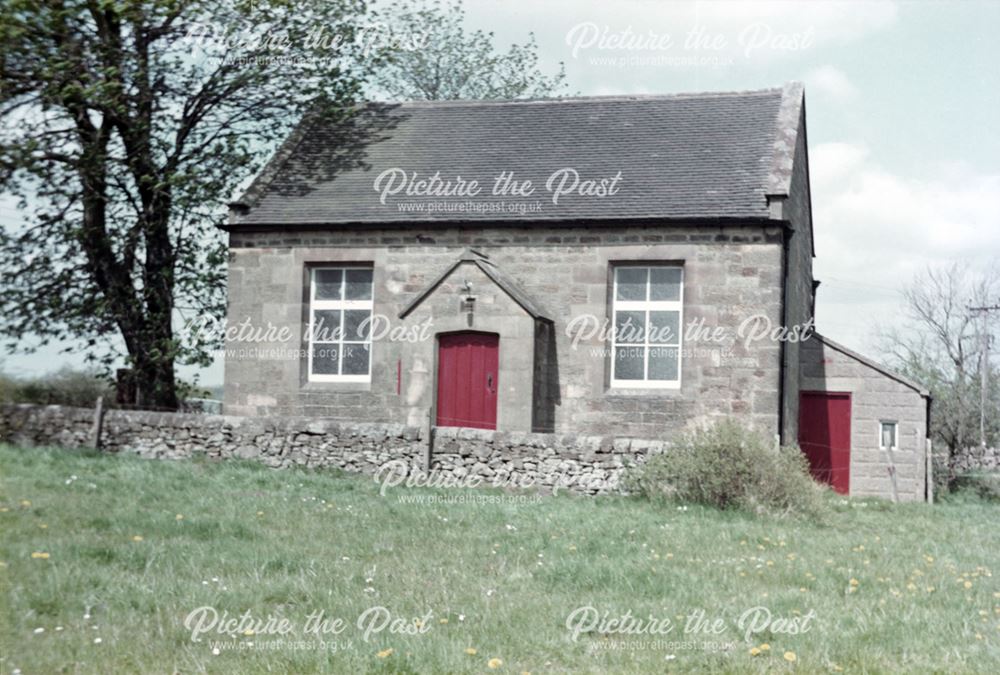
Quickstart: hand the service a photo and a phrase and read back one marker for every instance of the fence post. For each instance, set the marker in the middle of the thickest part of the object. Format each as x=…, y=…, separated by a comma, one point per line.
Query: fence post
x=930, y=471
x=429, y=445
x=95, y=429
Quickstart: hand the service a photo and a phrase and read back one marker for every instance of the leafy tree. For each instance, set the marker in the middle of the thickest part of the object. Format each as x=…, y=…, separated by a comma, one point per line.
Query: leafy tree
x=940, y=345
x=126, y=126
x=454, y=64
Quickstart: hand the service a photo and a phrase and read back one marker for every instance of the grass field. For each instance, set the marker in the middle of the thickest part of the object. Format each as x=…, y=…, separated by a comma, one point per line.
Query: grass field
x=103, y=559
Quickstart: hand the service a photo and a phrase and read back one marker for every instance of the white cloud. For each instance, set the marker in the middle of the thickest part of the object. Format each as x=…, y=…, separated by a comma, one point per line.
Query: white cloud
x=832, y=82
x=754, y=33
x=876, y=228
x=953, y=215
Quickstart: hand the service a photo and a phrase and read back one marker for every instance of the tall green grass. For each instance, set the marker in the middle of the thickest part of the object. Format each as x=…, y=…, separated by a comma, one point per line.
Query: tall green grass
x=133, y=546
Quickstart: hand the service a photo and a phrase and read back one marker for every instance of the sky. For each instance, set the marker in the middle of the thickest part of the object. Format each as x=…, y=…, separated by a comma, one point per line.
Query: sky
x=902, y=102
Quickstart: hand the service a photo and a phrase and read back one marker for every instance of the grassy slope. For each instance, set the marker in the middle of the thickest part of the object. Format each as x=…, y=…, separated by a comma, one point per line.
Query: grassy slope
x=296, y=541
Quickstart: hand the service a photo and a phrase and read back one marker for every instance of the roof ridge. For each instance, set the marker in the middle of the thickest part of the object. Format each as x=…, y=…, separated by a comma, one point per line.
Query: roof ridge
x=577, y=99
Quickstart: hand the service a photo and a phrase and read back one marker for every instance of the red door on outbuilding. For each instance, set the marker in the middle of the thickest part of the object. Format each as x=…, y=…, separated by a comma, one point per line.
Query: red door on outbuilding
x=825, y=436
x=467, y=380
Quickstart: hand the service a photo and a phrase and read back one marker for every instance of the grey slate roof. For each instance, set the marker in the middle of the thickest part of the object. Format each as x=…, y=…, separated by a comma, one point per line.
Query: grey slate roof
x=715, y=155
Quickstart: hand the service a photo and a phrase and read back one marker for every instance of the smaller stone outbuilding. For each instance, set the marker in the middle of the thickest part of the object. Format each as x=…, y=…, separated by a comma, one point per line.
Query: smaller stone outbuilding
x=863, y=427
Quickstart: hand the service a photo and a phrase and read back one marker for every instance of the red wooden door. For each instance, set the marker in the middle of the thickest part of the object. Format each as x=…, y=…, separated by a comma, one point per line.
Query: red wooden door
x=467, y=380
x=825, y=436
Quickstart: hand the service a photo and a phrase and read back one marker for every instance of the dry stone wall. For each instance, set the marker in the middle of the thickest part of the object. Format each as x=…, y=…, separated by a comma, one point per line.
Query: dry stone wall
x=581, y=464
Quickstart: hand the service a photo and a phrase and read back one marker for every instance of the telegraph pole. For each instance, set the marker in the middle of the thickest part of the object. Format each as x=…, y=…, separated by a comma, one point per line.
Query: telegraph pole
x=984, y=366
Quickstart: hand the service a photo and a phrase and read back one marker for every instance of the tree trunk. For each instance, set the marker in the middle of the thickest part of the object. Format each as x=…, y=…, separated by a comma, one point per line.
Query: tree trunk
x=155, y=365
x=154, y=381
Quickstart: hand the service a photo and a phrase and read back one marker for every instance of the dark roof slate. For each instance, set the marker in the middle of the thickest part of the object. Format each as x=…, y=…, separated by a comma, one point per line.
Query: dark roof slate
x=715, y=155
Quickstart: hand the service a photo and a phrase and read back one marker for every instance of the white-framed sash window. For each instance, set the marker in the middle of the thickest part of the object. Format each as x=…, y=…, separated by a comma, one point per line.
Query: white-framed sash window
x=647, y=316
x=339, y=330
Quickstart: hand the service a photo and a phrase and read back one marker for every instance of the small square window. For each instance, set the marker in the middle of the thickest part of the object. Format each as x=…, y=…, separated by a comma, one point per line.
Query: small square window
x=888, y=436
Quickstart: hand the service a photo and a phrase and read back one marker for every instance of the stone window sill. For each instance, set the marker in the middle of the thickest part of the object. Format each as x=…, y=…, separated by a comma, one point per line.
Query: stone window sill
x=649, y=392
x=336, y=386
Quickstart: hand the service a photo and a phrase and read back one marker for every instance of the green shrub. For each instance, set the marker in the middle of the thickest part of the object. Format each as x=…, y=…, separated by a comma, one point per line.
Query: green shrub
x=729, y=467
x=979, y=485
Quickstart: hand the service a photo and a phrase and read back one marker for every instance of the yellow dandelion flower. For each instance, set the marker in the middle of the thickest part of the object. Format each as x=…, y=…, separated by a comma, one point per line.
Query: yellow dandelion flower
x=384, y=653
x=25, y=502
x=137, y=537
x=43, y=526
x=260, y=513
x=494, y=663
x=968, y=584
x=179, y=516
x=4, y=509
x=837, y=668
x=471, y=651
x=40, y=555
x=790, y=657
x=765, y=647
x=854, y=582
x=443, y=621
x=754, y=651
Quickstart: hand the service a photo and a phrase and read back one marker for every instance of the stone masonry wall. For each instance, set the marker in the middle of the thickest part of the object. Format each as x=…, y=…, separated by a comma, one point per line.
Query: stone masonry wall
x=588, y=465
x=731, y=273
x=978, y=459
x=798, y=281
